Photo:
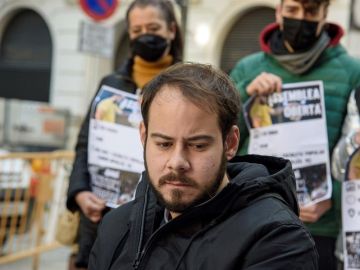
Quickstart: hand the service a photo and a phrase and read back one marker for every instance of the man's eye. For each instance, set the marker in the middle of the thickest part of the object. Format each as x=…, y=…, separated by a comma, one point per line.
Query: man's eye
x=312, y=12
x=135, y=30
x=198, y=146
x=153, y=29
x=163, y=145
x=291, y=10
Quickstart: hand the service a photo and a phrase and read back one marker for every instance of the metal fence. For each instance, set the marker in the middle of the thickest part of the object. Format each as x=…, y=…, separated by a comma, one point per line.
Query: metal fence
x=32, y=194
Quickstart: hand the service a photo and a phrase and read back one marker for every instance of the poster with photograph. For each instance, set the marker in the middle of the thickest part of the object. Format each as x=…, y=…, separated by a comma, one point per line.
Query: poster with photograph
x=292, y=124
x=115, y=153
x=351, y=213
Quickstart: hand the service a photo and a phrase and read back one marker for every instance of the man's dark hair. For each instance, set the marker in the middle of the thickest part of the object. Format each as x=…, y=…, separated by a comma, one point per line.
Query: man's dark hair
x=205, y=86
x=166, y=9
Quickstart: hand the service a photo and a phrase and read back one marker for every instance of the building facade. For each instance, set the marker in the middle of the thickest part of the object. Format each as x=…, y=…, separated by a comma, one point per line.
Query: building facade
x=44, y=54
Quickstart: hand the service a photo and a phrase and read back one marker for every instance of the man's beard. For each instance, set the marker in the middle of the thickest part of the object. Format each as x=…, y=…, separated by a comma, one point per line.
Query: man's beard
x=176, y=204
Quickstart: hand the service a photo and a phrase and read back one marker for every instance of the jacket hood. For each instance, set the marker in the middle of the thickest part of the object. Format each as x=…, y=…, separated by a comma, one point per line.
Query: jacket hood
x=334, y=31
x=257, y=175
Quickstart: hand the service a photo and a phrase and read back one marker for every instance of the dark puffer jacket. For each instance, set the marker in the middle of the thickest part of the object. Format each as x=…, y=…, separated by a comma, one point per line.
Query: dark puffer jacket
x=251, y=224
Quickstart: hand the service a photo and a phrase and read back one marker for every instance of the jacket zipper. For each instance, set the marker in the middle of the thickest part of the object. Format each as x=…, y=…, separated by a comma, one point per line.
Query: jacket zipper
x=137, y=264
x=138, y=252
x=146, y=247
x=140, y=255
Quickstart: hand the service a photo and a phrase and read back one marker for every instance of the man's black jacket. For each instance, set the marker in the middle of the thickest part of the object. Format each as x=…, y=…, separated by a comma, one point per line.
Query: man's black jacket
x=251, y=224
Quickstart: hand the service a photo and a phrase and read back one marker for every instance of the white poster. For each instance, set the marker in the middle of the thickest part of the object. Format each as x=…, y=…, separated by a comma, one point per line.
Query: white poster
x=292, y=124
x=115, y=151
x=351, y=213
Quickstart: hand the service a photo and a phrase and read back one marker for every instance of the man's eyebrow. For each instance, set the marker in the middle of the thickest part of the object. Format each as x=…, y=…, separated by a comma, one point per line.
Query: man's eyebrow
x=159, y=135
x=153, y=24
x=201, y=137
x=312, y=8
x=189, y=139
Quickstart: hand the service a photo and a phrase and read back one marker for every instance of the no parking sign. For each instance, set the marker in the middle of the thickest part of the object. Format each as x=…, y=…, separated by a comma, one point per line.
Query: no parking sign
x=99, y=9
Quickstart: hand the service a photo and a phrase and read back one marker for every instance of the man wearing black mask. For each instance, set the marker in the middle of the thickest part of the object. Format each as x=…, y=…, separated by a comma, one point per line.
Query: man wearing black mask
x=302, y=46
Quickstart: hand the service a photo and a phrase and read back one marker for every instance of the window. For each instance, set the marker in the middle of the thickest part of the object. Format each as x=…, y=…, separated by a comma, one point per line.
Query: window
x=25, y=58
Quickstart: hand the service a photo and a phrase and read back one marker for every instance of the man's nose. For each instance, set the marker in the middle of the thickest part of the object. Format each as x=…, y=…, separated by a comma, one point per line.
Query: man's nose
x=301, y=14
x=178, y=160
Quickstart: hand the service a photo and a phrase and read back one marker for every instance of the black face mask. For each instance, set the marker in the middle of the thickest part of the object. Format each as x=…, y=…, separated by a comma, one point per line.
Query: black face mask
x=149, y=47
x=300, y=34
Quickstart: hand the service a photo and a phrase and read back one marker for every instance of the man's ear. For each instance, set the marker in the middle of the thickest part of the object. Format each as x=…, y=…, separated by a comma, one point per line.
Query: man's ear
x=142, y=130
x=232, y=142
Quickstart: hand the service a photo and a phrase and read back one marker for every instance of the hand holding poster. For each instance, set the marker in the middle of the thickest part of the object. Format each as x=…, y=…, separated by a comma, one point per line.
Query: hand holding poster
x=292, y=124
x=115, y=153
x=351, y=213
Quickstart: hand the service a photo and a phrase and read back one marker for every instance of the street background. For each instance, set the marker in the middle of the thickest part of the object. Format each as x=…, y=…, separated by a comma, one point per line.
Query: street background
x=53, y=55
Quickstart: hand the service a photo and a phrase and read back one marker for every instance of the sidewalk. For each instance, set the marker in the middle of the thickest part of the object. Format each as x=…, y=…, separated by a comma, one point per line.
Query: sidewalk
x=52, y=260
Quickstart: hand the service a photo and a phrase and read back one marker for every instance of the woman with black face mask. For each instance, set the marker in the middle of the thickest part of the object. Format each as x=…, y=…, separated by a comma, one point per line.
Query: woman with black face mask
x=155, y=39
x=156, y=43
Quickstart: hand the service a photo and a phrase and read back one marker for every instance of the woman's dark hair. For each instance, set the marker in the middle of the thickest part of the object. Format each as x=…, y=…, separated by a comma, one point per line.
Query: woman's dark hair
x=167, y=10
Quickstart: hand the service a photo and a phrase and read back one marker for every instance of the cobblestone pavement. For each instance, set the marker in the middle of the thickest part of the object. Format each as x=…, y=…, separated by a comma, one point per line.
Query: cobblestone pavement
x=52, y=260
